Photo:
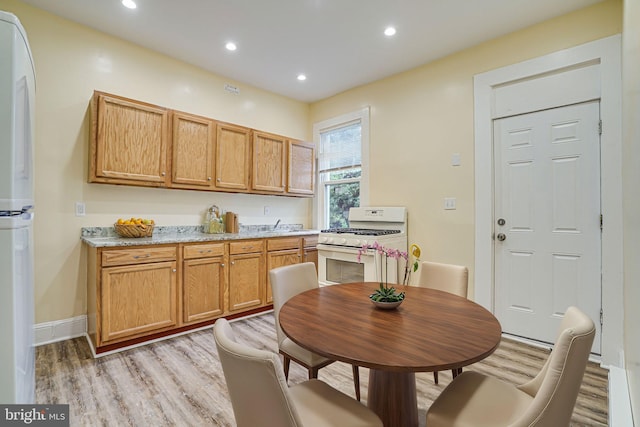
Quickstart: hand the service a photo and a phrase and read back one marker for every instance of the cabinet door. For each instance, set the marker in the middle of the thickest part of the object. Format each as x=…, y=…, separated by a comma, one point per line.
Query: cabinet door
x=310, y=255
x=129, y=142
x=280, y=259
x=269, y=162
x=301, y=168
x=246, y=281
x=233, y=151
x=193, y=156
x=137, y=299
x=203, y=287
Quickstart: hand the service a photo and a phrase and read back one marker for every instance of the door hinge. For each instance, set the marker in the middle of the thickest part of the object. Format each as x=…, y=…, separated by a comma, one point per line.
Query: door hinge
x=601, y=221
x=600, y=127
x=601, y=317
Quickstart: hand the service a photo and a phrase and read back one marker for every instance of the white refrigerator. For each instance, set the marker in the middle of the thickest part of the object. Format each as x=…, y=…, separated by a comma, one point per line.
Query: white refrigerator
x=17, y=90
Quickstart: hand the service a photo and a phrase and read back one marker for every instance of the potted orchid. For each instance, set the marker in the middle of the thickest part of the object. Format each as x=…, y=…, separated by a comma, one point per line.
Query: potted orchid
x=385, y=293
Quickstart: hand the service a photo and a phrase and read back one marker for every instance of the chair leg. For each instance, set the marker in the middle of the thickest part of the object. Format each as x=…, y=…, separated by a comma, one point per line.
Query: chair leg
x=435, y=377
x=456, y=372
x=313, y=373
x=356, y=381
x=285, y=364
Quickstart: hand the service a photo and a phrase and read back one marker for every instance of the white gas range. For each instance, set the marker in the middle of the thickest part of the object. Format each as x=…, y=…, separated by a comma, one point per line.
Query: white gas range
x=338, y=247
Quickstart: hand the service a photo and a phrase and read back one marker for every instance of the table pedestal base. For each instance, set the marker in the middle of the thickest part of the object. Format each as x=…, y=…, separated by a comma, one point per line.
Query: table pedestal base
x=392, y=396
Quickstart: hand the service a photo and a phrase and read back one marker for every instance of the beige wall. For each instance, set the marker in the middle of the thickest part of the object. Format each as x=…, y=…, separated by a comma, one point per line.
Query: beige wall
x=71, y=61
x=631, y=212
x=421, y=117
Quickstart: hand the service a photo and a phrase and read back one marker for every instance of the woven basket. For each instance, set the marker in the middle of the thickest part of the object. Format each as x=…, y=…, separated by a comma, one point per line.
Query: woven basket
x=134, y=230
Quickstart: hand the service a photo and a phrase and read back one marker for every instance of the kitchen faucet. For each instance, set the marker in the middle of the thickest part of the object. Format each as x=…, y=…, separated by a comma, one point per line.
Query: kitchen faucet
x=276, y=226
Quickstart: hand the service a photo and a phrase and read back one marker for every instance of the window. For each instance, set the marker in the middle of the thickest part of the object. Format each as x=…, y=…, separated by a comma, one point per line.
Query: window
x=342, y=167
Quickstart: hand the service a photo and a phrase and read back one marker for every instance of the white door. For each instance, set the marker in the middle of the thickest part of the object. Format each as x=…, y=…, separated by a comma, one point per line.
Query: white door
x=547, y=198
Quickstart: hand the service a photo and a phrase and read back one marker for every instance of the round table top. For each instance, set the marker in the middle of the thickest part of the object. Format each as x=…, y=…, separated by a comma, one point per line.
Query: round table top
x=430, y=331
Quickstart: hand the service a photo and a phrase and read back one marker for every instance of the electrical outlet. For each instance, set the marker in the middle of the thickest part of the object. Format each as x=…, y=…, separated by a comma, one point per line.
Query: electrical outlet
x=80, y=209
x=267, y=210
x=449, y=203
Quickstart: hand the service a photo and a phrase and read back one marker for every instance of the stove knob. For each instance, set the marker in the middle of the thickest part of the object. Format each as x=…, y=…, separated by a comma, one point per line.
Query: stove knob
x=322, y=239
x=356, y=242
x=365, y=241
x=343, y=241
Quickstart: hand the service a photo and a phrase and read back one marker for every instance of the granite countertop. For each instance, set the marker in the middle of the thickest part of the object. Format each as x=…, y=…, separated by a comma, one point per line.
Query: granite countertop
x=103, y=237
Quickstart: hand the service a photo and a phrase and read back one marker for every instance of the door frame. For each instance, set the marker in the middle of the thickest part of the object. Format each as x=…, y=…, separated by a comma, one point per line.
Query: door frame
x=606, y=53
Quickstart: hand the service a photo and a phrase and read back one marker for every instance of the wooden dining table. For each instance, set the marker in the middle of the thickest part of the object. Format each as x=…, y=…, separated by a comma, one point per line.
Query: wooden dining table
x=430, y=331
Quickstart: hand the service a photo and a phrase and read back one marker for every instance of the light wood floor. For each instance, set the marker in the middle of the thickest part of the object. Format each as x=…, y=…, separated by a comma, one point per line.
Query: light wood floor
x=179, y=382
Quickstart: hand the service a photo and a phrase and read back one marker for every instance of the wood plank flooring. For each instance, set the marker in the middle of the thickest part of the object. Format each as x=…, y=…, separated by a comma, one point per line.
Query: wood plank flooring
x=179, y=381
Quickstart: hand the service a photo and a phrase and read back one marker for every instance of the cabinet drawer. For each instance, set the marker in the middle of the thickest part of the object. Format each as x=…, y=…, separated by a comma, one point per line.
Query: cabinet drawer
x=246, y=246
x=138, y=256
x=203, y=251
x=310, y=241
x=284, y=243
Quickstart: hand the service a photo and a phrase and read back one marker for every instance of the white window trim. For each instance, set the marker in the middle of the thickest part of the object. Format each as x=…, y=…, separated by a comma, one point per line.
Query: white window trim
x=362, y=116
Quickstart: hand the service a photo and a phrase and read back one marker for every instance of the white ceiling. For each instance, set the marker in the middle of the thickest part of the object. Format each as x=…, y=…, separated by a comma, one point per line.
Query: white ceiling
x=338, y=44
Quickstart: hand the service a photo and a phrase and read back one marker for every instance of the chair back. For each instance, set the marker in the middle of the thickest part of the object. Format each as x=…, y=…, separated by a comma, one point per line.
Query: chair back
x=555, y=388
x=257, y=388
x=444, y=277
x=288, y=281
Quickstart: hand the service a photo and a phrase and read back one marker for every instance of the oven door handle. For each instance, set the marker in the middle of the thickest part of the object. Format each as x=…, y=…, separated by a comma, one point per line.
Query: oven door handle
x=341, y=249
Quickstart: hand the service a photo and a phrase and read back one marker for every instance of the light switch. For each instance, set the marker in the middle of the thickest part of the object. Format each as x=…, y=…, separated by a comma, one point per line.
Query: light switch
x=449, y=203
x=267, y=210
x=455, y=159
x=80, y=209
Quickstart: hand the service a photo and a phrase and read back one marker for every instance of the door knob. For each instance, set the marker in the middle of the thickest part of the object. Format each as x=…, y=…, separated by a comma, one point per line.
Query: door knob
x=501, y=237
x=501, y=221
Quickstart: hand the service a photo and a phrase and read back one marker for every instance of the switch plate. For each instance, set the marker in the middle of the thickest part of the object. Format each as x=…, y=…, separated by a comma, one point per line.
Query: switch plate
x=449, y=203
x=267, y=210
x=80, y=209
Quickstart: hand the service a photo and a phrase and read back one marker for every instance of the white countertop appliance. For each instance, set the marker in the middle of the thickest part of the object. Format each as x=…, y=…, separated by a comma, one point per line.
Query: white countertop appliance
x=338, y=247
x=17, y=103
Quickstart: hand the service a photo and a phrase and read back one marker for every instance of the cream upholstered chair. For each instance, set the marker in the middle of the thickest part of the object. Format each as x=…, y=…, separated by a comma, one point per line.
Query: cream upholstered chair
x=444, y=277
x=286, y=282
x=473, y=399
x=261, y=398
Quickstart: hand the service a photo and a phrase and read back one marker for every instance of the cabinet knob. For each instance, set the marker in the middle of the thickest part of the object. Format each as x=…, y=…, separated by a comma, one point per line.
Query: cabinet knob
x=218, y=179
x=208, y=178
x=221, y=265
x=163, y=173
x=174, y=270
x=233, y=263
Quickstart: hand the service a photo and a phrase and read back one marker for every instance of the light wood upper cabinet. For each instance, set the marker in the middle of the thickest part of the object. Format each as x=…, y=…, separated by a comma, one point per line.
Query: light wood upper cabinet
x=129, y=142
x=193, y=140
x=269, y=162
x=136, y=143
x=233, y=153
x=301, y=168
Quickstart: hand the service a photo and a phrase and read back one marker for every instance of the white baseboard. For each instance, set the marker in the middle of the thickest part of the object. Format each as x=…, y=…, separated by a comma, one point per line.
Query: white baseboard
x=619, y=398
x=59, y=330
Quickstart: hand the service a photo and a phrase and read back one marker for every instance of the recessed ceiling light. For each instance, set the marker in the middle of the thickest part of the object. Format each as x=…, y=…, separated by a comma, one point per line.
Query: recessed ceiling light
x=130, y=4
x=302, y=77
x=231, y=46
x=389, y=31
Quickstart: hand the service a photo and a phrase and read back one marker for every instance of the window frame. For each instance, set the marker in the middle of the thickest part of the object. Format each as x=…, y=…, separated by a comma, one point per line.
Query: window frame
x=320, y=199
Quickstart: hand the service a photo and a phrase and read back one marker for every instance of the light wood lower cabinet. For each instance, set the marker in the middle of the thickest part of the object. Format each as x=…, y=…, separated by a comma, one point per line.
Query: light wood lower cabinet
x=203, y=282
x=137, y=293
x=144, y=292
x=281, y=252
x=310, y=250
x=246, y=275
